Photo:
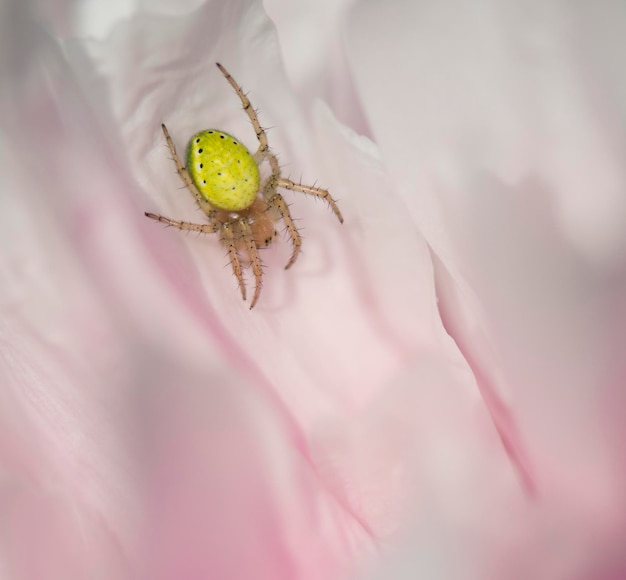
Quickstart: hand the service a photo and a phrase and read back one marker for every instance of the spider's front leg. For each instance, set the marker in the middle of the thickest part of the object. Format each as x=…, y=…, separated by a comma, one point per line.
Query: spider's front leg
x=209, y=228
x=311, y=190
x=247, y=237
x=227, y=237
x=277, y=202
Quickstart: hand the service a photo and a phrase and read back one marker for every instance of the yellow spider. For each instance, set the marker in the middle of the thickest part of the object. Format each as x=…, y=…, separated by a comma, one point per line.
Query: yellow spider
x=225, y=181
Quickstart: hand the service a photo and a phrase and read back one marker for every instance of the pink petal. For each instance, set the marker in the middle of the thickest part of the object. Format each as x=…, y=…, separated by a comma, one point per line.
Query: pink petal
x=504, y=158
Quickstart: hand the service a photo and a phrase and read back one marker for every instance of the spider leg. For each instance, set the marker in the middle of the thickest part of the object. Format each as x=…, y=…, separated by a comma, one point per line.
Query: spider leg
x=248, y=239
x=263, y=152
x=310, y=190
x=228, y=239
x=205, y=206
x=188, y=226
x=277, y=201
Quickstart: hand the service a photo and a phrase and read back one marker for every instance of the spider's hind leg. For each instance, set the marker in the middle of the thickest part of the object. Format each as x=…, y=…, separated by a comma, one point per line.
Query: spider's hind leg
x=204, y=205
x=263, y=152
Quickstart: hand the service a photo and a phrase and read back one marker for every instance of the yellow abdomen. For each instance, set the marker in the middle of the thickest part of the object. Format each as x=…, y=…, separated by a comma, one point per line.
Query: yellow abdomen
x=223, y=170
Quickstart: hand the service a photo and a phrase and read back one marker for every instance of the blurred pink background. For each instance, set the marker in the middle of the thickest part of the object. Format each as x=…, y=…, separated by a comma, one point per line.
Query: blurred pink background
x=435, y=390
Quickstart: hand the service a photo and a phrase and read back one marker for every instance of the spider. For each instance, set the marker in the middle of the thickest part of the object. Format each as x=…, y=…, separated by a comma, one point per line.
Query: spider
x=225, y=180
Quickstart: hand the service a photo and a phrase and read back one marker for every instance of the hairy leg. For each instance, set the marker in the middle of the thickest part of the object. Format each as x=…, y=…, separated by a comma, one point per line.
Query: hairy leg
x=204, y=205
x=279, y=203
x=210, y=228
x=310, y=190
x=247, y=237
x=227, y=237
x=263, y=151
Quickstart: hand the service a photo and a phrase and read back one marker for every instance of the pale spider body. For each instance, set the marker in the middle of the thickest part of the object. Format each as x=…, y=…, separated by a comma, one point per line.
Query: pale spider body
x=225, y=180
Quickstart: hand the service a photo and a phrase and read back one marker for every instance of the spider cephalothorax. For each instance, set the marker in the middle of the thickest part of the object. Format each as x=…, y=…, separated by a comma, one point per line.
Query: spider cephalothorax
x=226, y=183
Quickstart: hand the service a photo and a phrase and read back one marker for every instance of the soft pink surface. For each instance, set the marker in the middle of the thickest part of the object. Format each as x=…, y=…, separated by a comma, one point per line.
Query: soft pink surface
x=435, y=390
